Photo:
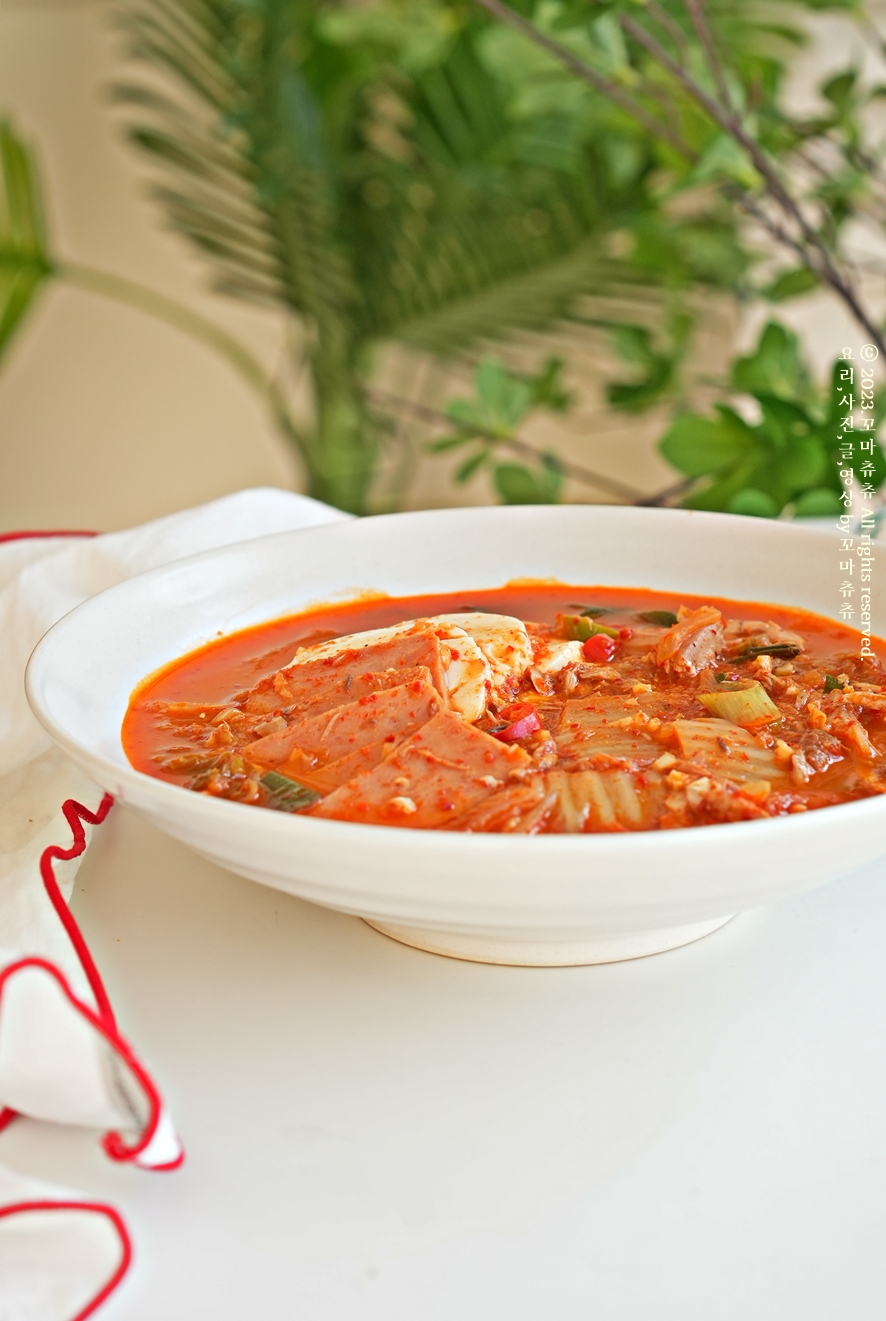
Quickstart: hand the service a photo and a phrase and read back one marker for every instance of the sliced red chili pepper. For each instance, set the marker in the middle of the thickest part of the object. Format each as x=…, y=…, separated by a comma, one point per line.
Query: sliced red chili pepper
x=625, y=633
x=523, y=718
x=599, y=648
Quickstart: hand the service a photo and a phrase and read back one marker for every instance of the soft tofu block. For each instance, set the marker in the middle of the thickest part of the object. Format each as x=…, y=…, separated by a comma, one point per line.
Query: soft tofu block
x=443, y=769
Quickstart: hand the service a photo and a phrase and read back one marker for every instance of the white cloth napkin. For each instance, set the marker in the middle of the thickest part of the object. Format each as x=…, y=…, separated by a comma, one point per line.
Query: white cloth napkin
x=62, y=1055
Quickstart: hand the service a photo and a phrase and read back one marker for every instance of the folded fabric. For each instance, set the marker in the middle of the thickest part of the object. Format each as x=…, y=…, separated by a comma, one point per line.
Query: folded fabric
x=62, y=1055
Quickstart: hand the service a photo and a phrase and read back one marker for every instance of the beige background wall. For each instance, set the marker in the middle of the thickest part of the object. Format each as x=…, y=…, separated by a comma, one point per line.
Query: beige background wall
x=107, y=418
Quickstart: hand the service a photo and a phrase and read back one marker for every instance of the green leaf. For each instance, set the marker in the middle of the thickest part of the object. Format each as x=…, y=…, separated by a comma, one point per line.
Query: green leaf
x=609, y=40
x=633, y=343
x=658, y=366
x=519, y=485
x=25, y=263
x=664, y=618
x=507, y=398
x=446, y=443
x=753, y=502
x=467, y=414
x=818, y=503
x=838, y=90
x=784, y=418
x=802, y=465
x=466, y=470
x=717, y=495
x=725, y=159
x=547, y=387
x=774, y=368
x=791, y=284
x=632, y=397
x=697, y=445
x=502, y=401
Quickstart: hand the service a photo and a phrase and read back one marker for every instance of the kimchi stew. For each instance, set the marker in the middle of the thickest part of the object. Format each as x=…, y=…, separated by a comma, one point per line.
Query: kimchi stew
x=535, y=709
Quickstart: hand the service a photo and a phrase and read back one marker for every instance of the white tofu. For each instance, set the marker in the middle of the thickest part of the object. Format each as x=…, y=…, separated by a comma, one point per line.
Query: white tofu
x=551, y=656
x=504, y=642
x=466, y=670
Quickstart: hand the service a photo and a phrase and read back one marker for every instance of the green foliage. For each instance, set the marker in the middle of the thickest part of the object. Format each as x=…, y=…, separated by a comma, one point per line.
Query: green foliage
x=412, y=170
x=490, y=420
x=790, y=284
x=25, y=264
x=519, y=485
x=792, y=456
x=657, y=359
x=377, y=171
x=501, y=402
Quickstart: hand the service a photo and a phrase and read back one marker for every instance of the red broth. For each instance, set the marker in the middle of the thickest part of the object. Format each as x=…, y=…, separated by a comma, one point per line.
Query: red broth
x=615, y=740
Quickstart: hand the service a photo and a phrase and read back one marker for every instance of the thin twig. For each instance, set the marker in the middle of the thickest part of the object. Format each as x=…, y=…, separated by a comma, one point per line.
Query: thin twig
x=695, y=9
x=589, y=75
x=661, y=497
x=670, y=25
x=576, y=471
x=731, y=125
x=823, y=267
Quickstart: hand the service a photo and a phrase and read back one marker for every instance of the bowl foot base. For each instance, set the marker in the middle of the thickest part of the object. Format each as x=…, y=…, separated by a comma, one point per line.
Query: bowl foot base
x=549, y=953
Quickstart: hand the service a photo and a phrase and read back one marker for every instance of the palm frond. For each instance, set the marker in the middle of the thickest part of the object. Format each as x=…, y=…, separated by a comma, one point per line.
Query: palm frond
x=239, y=134
x=25, y=263
x=267, y=165
x=501, y=242
x=531, y=299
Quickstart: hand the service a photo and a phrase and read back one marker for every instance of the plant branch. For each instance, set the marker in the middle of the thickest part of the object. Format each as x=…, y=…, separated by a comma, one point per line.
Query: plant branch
x=695, y=9
x=590, y=75
x=729, y=123
x=661, y=497
x=670, y=25
x=190, y=323
x=575, y=471
x=823, y=267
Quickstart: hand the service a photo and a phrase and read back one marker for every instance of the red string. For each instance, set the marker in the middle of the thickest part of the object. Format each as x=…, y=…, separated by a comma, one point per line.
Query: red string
x=75, y=814
x=26, y=536
x=104, y=1022
x=100, y=1208
x=113, y=1144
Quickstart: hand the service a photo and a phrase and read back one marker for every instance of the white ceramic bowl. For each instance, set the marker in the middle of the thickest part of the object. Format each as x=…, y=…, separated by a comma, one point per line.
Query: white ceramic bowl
x=555, y=899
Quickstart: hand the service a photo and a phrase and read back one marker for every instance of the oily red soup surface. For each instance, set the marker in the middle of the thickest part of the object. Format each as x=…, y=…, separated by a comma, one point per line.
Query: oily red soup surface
x=225, y=670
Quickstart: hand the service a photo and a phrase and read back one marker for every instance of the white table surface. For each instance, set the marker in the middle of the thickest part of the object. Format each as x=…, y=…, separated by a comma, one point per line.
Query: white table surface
x=377, y=1133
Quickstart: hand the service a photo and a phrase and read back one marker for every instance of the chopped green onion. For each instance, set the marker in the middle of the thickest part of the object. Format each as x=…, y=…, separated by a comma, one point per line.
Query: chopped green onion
x=579, y=628
x=590, y=611
x=745, y=703
x=720, y=678
x=787, y=650
x=666, y=618
x=287, y=795
x=831, y=682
